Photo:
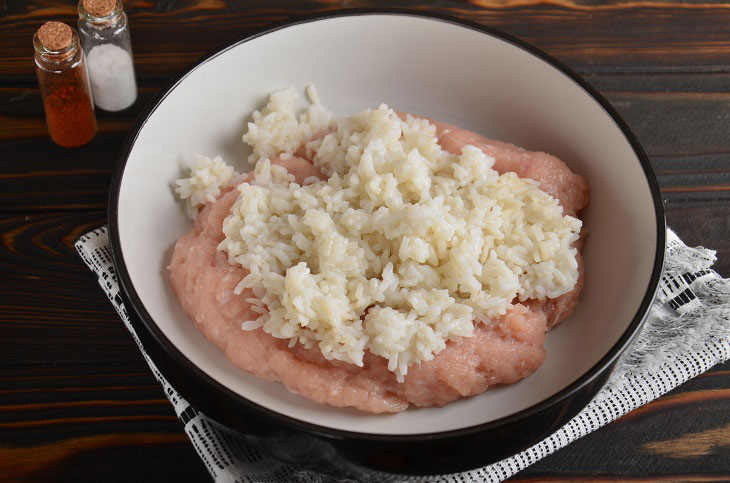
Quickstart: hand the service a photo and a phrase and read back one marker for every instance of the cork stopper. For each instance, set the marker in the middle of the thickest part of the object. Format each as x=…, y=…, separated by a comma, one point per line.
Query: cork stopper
x=55, y=36
x=99, y=8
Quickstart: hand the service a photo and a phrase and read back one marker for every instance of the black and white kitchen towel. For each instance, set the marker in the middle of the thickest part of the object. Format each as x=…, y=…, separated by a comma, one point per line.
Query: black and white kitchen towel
x=687, y=332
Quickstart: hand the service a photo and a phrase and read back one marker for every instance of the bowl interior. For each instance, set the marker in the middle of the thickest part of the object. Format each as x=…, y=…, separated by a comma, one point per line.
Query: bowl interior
x=425, y=66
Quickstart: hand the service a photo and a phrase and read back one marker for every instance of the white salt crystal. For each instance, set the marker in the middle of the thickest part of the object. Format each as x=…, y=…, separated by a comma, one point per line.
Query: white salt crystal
x=112, y=77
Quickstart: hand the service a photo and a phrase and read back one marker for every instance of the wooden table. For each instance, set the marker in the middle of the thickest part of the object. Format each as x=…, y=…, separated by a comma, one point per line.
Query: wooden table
x=78, y=403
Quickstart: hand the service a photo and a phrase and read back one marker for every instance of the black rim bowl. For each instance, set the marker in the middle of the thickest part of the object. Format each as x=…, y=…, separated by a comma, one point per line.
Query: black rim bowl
x=348, y=453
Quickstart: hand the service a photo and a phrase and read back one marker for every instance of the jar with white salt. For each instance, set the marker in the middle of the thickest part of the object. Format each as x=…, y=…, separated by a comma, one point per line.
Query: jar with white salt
x=104, y=34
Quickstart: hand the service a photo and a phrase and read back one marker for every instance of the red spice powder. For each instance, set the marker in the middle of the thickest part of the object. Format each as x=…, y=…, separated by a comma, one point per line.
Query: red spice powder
x=64, y=83
x=69, y=108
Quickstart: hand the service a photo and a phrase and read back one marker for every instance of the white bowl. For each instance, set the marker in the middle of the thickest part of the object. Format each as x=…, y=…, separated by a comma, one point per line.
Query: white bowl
x=447, y=70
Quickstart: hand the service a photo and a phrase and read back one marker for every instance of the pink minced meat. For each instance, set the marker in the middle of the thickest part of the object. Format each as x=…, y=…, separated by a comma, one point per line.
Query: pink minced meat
x=501, y=352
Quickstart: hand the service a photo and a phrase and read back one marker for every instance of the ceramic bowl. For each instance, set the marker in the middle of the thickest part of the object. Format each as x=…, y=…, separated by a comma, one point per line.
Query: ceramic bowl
x=449, y=70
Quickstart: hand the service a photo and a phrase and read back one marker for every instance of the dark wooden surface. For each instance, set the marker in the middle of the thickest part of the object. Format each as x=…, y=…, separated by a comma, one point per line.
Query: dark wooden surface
x=77, y=402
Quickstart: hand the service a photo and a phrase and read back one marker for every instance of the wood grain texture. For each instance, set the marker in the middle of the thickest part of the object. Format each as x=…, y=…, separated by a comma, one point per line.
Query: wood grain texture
x=684, y=134
x=632, y=448
x=591, y=36
x=693, y=445
x=66, y=422
x=703, y=224
x=31, y=164
x=52, y=309
x=58, y=460
x=683, y=477
x=637, y=448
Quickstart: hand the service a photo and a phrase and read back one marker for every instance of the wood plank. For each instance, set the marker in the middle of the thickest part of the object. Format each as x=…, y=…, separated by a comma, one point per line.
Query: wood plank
x=717, y=82
x=682, y=132
x=703, y=224
x=117, y=457
x=676, y=123
x=591, y=37
x=87, y=419
x=553, y=477
x=40, y=405
x=31, y=164
x=692, y=445
x=99, y=403
x=22, y=116
x=634, y=447
x=53, y=309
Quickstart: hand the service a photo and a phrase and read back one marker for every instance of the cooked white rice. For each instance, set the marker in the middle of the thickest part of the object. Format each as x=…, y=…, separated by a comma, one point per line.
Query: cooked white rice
x=403, y=248
x=207, y=178
x=276, y=129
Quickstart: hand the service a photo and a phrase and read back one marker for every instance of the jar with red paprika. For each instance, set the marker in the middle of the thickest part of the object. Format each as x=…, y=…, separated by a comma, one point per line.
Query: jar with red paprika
x=64, y=84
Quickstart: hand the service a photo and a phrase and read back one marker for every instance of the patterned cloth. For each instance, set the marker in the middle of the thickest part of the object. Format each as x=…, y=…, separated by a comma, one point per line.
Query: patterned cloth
x=687, y=332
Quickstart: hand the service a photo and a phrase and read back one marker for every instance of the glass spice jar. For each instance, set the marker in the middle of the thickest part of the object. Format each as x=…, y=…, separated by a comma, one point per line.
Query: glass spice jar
x=104, y=32
x=64, y=85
